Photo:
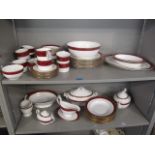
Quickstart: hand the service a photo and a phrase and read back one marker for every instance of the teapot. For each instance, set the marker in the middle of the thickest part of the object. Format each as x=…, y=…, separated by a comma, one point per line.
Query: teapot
x=122, y=98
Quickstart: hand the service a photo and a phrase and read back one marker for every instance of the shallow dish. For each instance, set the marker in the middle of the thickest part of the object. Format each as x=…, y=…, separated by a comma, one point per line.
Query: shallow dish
x=84, y=49
x=128, y=58
x=144, y=66
x=100, y=106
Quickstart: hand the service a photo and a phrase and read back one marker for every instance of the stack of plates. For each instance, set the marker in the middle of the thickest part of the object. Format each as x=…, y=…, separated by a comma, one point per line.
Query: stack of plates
x=44, y=74
x=86, y=63
x=128, y=62
x=101, y=109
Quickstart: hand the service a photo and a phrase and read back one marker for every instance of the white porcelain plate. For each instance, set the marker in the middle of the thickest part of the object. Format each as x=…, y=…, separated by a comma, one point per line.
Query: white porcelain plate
x=53, y=67
x=100, y=107
x=42, y=97
x=144, y=66
x=73, y=118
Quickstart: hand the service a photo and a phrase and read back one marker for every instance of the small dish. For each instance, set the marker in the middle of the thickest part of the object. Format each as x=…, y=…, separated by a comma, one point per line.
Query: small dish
x=74, y=117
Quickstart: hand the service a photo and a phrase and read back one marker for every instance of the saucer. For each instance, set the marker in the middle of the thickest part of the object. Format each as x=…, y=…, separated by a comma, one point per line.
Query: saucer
x=53, y=67
x=144, y=66
x=73, y=118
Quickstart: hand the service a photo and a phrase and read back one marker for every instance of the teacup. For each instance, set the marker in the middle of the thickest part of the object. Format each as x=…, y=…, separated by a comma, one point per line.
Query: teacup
x=64, y=68
x=43, y=54
x=63, y=56
x=22, y=53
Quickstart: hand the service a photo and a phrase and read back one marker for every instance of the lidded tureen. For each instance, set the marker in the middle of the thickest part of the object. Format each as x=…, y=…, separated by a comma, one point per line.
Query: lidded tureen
x=122, y=98
x=80, y=94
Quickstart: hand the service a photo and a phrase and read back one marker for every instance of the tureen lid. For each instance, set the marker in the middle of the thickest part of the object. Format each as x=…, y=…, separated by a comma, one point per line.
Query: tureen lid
x=123, y=94
x=81, y=92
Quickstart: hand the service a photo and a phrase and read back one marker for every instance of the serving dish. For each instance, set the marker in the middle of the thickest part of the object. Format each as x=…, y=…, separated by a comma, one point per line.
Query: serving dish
x=144, y=66
x=42, y=98
x=80, y=95
x=72, y=117
x=84, y=49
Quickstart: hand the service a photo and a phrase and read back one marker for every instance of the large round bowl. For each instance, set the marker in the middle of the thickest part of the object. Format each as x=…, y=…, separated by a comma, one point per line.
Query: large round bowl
x=84, y=49
x=12, y=72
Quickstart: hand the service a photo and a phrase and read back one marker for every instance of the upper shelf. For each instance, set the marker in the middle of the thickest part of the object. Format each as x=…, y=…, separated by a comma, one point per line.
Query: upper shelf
x=102, y=74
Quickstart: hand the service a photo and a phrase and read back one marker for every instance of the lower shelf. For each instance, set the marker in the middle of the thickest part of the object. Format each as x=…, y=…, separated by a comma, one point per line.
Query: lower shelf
x=124, y=118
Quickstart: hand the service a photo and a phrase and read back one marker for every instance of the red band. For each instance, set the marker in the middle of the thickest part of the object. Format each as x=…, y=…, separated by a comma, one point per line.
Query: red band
x=63, y=59
x=63, y=65
x=11, y=73
x=83, y=49
x=44, y=63
x=22, y=54
x=41, y=53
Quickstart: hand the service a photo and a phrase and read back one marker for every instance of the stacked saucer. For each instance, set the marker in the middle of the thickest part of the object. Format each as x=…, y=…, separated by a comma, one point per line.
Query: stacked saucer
x=37, y=73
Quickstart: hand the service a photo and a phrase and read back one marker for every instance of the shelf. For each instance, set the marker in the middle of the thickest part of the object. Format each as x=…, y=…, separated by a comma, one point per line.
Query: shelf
x=124, y=118
x=100, y=74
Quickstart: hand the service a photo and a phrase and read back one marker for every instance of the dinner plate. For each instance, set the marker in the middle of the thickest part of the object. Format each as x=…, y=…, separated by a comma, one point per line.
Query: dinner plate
x=42, y=99
x=144, y=66
x=53, y=67
x=100, y=106
x=73, y=118
x=97, y=56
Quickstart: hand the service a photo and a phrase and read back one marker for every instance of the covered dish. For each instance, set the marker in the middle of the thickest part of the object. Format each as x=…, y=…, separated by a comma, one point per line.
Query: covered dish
x=80, y=94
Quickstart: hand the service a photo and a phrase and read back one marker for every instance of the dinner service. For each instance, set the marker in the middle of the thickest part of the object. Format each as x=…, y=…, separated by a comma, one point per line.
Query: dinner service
x=80, y=95
x=22, y=53
x=122, y=99
x=30, y=48
x=45, y=117
x=84, y=49
x=144, y=65
x=22, y=62
x=13, y=71
x=42, y=98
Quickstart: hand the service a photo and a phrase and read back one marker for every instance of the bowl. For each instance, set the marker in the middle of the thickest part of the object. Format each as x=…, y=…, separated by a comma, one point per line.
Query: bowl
x=12, y=72
x=84, y=49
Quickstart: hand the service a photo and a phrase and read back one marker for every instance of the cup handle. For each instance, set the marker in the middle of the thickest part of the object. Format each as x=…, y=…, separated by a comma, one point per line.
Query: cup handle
x=95, y=94
x=49, y=55
x=66, y=95
x=37, y=111
x=59, y=99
